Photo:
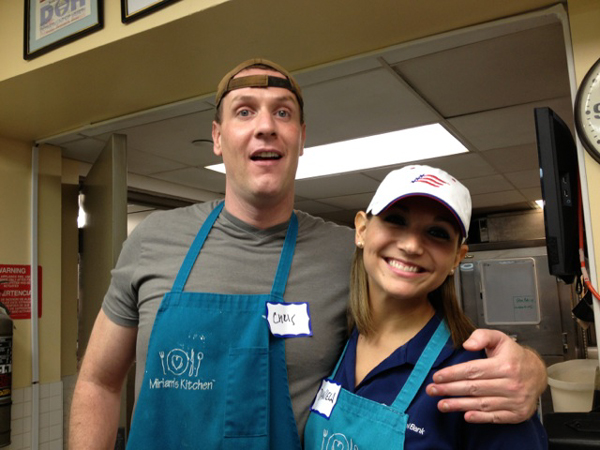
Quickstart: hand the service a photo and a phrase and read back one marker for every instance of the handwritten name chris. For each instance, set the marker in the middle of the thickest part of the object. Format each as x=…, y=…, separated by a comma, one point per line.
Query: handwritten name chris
x=283, y=318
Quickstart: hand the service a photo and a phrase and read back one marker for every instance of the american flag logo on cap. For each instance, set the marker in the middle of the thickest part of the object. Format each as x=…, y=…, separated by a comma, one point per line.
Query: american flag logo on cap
x=431, y=180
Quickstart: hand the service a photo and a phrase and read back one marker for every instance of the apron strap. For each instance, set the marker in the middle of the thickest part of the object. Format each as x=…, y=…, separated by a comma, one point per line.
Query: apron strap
x=285, y=260
x=194, y=251
x=340, y=359
x=422, y=368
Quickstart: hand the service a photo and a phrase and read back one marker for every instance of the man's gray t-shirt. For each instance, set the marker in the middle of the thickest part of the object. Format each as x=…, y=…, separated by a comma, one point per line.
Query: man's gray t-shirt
x=240, y=259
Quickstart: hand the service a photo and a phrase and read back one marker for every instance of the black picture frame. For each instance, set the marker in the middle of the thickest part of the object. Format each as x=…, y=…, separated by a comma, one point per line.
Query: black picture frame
x=134, y=9
x=50, y=24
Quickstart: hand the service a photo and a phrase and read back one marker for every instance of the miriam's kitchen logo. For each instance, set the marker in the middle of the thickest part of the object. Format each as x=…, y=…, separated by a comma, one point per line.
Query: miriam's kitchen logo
x=337, y=441
x=181, y=370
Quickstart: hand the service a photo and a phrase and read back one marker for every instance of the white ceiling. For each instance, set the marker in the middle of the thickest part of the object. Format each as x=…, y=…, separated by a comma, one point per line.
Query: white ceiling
x=481, y=83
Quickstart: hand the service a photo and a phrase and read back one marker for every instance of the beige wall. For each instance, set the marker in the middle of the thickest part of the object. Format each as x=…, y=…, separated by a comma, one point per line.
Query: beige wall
x=49, y=237
x=11, y=33
x=15, y=223
x=15, y=186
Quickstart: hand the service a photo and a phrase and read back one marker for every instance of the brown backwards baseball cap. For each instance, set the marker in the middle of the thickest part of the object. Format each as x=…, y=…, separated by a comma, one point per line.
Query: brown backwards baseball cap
x=229, y=83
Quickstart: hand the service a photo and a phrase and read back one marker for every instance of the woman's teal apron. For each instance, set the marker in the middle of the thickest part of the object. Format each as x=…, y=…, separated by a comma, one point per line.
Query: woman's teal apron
x=215, y=376
x=357, y=423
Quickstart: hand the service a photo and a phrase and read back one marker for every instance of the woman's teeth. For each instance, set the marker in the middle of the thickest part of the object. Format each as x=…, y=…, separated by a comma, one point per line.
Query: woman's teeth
x=398, y=265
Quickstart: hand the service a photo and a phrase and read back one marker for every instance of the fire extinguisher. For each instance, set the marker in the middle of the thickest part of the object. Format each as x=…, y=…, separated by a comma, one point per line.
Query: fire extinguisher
x=6, y=337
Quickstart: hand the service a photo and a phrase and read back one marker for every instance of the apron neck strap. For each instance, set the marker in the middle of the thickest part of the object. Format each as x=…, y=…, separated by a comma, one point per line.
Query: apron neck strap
x=285, y=260
x=422, y=368
x=194, y=251
x=283, y=268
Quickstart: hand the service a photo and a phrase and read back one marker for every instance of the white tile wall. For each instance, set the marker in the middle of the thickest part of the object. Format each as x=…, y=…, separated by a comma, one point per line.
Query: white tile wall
x=51, y=418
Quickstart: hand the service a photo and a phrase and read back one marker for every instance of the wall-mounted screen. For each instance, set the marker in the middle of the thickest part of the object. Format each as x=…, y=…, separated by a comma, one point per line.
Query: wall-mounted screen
x=559, y=178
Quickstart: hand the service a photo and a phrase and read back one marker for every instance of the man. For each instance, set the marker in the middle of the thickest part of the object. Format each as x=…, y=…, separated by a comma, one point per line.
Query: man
x=209, y=372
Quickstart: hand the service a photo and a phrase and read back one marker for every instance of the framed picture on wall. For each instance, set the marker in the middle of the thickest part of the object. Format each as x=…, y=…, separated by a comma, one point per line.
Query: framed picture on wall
x=52, y=23
x=134, y=9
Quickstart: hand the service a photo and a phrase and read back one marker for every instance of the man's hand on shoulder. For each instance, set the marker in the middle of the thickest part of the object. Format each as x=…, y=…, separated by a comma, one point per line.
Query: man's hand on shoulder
x=504, y=388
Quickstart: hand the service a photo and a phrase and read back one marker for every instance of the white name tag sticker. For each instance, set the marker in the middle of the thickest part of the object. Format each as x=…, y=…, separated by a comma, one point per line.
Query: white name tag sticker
x=326, y=398
x=289, y=319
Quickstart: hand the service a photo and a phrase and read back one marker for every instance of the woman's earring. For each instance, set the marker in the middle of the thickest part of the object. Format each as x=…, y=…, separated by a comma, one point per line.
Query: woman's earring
x=452, y=272
x=359, y=244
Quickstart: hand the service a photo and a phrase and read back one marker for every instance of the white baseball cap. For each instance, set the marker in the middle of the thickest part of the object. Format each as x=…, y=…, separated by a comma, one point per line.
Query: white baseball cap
x=424, y=181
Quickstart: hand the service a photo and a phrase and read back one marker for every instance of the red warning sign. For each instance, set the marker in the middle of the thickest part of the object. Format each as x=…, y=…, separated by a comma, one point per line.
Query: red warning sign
x=15, y=290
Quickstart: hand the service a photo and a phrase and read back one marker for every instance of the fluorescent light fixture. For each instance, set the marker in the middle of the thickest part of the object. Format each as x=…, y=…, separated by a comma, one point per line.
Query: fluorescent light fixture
x=540, y=203
x=388, y=149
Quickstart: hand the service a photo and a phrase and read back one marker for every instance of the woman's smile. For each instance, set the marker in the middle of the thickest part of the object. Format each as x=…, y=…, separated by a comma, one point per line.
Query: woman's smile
x=404, y=267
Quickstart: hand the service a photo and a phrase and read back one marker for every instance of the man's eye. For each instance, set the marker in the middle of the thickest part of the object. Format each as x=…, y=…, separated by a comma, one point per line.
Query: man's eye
x=244, y=112
x=283, y=113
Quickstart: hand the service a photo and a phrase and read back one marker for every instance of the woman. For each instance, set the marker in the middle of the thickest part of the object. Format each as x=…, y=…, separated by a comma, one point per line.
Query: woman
x=406, y=324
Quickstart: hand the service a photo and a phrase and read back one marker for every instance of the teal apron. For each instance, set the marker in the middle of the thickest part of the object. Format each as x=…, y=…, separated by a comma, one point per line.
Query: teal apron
x=357, y=423
x=215, y=377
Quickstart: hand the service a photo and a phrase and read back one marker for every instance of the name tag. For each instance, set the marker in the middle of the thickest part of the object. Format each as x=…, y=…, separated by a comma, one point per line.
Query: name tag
x=289, y=319
x=326, y=398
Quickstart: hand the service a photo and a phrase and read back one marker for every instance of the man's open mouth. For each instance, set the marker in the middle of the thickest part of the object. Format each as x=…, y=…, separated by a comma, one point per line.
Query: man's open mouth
x=265, y=156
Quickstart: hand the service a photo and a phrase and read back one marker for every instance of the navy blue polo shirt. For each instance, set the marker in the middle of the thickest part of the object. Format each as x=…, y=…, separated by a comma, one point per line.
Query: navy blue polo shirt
x=428, y=428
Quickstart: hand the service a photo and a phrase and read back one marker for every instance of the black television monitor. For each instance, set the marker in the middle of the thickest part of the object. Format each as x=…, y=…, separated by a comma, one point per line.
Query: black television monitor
x=559, y=176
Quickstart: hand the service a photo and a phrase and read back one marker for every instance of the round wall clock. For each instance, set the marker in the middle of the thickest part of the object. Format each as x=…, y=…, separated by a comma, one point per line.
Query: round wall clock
x=587, y=111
